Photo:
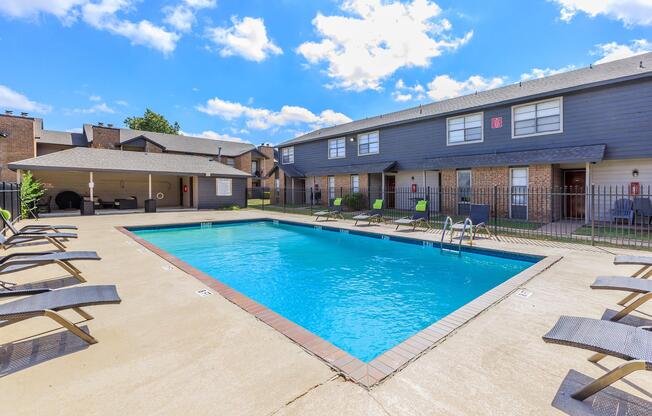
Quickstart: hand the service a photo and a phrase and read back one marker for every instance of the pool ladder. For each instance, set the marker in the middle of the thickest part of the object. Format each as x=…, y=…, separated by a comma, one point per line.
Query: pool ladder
x=449, y=220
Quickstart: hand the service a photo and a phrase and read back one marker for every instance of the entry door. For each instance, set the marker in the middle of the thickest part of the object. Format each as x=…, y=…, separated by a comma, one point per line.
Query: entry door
x=390, y=191
x=518, y=193
x=575, y=186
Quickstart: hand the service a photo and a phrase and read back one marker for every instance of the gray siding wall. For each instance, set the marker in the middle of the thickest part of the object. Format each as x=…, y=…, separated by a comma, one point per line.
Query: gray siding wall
x=209, y=200
x=619, y=116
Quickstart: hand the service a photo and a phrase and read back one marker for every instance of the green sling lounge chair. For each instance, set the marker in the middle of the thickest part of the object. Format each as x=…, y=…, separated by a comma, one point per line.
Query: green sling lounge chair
x=48, y=304
x=336, y=212
x=6, y=218
x=375, y=214
x=604, y=338
x=419, y=216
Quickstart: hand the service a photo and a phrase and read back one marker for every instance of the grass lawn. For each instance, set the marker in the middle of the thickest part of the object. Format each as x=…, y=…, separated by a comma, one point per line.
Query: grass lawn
x=616, y=233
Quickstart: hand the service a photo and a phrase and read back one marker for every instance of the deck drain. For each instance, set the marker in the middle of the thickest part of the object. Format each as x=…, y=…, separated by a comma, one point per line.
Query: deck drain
x=204, y=292
x=523, y=293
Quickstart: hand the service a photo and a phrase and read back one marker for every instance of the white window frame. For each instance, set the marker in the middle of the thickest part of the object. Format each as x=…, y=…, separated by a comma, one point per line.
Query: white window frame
x=355, y=184
x=283, y=149
x=343, y=139
x=448, y=143
x=544, y=133
x=331, y=187
x=511, y=187
x=228, y=181
x=377, y=132
x=457, y=181
x=230, y=161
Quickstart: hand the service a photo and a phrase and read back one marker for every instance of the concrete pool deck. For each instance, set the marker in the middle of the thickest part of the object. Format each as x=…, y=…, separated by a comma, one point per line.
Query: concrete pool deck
x=167, y=350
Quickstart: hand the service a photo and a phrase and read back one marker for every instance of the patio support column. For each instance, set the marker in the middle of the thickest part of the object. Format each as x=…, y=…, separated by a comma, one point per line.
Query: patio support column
x=587, y=190
x=91, y=185
x=382, y=185
x=19, y=176
x=149, y=183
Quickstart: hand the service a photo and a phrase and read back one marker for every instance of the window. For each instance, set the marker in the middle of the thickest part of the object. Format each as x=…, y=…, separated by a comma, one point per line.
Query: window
x=464, y=186
x=287, y=155
x=331, y=188
x=465, y=129
x=519, y=183
x=254, y=168
x=355, y=183
x=368, y=143
x=224, y=186
x=544, y=117
x=336, y=148
x=230, y=161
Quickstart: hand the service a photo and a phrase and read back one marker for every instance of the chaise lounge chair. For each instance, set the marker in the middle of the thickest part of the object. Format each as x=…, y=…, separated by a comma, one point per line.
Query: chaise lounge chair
x=336, y=212
x=49, y=303
x=22, y=261
x=628, y=284
x=52, y=238
x=478, y=218
x=643, y=273
x=419, y=216
x=605, y=338
x=6, y=219
x=375, y=214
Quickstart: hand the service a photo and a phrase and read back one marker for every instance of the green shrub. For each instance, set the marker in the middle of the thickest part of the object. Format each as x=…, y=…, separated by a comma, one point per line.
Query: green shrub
x=31, y=190
x=266, y=194
x=353, y=201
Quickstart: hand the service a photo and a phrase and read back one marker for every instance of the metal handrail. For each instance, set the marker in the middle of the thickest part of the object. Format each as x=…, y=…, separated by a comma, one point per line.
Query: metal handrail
x=443, y=233
x=459, y=245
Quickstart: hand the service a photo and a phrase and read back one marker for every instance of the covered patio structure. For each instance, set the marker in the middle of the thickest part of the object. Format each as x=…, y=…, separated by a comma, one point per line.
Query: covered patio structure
x=116, y=180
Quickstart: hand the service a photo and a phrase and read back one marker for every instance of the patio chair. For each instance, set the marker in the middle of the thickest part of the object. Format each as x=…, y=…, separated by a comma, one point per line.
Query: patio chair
x=43, y=204
x=478, y=218
x=633, y=285
x=623, y=210
x=605, y=338
x=375, y=214
x=419, y=216
x=643, y=209
x=335, y=212
x=32, y=228
x=16, y=262
x=47, y=304
x=22, y=238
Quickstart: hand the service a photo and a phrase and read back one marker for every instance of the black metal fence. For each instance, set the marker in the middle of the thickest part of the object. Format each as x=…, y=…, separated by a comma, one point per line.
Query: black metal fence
x=10, y=198
x=605, y=215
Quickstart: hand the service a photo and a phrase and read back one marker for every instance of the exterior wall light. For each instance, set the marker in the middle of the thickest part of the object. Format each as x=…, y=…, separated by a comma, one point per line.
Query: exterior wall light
x=635, y=173
x=4, y=134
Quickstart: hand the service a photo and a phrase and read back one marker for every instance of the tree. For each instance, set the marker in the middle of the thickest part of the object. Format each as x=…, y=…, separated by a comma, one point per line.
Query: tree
x=151, y=121
x=31, y=190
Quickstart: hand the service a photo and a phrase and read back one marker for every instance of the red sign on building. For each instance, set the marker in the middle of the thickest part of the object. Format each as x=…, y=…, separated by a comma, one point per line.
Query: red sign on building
x=496, y=122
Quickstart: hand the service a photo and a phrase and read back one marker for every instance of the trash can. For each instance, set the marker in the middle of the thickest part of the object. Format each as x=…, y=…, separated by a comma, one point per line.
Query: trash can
x=150, y=205
x=87, y=208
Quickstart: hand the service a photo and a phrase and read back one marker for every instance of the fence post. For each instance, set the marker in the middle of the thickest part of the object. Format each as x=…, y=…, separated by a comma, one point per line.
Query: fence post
x=495, y=204
x=311, y=200
x=285, y=197
x=262, y=198
x=592, y=215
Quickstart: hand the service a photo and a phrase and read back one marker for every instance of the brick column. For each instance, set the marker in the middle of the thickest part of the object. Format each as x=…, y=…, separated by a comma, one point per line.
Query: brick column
x=19, y=144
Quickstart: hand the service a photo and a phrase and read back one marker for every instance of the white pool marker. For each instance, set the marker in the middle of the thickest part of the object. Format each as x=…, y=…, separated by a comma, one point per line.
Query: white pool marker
x=427, y=244
x=318, y=227
x=204, y=225
x=204, y=292
x=275, y=222
x=344, y=231
x=129, y=243
x=167, y=267
x=142, y=250
x=523, y=293
x=385, y=237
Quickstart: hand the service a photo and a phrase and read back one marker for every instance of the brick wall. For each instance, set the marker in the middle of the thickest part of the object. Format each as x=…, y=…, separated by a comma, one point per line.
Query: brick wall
x=448, y=185
x=540, y=202
x=106, y=138
x=18, y=145
x=484, y=180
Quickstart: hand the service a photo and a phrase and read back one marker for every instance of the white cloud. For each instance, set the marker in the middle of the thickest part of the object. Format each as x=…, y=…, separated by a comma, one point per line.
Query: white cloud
x=544, y=72
x=403, y=92
x=11, y=99
x=261, y=119
x=213, y=135
x=182, y=16
x=102, y=15
x=122, y=102
x=376, y=38
x=95, y=98
x=246, y=38
x=630, y=12
x=97, y=108
x=443, y=86
x=66, y=10
x=612, y=51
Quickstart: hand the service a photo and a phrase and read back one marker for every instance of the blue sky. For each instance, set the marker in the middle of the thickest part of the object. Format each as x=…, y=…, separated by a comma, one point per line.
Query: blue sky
x=265, y=71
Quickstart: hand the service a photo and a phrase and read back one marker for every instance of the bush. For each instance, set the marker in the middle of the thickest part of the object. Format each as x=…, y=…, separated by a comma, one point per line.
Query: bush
x=31, y=190
x=354, y=201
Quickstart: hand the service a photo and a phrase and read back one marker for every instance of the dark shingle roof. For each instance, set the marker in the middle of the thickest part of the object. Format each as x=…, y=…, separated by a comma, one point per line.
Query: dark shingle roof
x=61, y=137
x=593, y=153
x=615, y=71
x=86, y=159
x=188, y=144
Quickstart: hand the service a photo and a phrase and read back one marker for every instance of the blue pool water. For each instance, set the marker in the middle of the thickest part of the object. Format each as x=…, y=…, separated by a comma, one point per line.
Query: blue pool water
x=363, y=294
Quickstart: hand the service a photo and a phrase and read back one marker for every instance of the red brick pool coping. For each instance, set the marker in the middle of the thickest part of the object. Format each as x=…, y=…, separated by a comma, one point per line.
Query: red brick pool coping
x=386, y=364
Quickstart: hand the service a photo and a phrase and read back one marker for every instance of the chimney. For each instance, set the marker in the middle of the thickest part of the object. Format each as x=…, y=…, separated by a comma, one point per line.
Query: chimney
x=100, y=124
x=9, y=112
x=219, y=154
x=110, y=125
x=24, y=114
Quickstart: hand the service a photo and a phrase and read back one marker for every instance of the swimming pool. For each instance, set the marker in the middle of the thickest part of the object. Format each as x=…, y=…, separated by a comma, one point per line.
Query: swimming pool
x=362, y=293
